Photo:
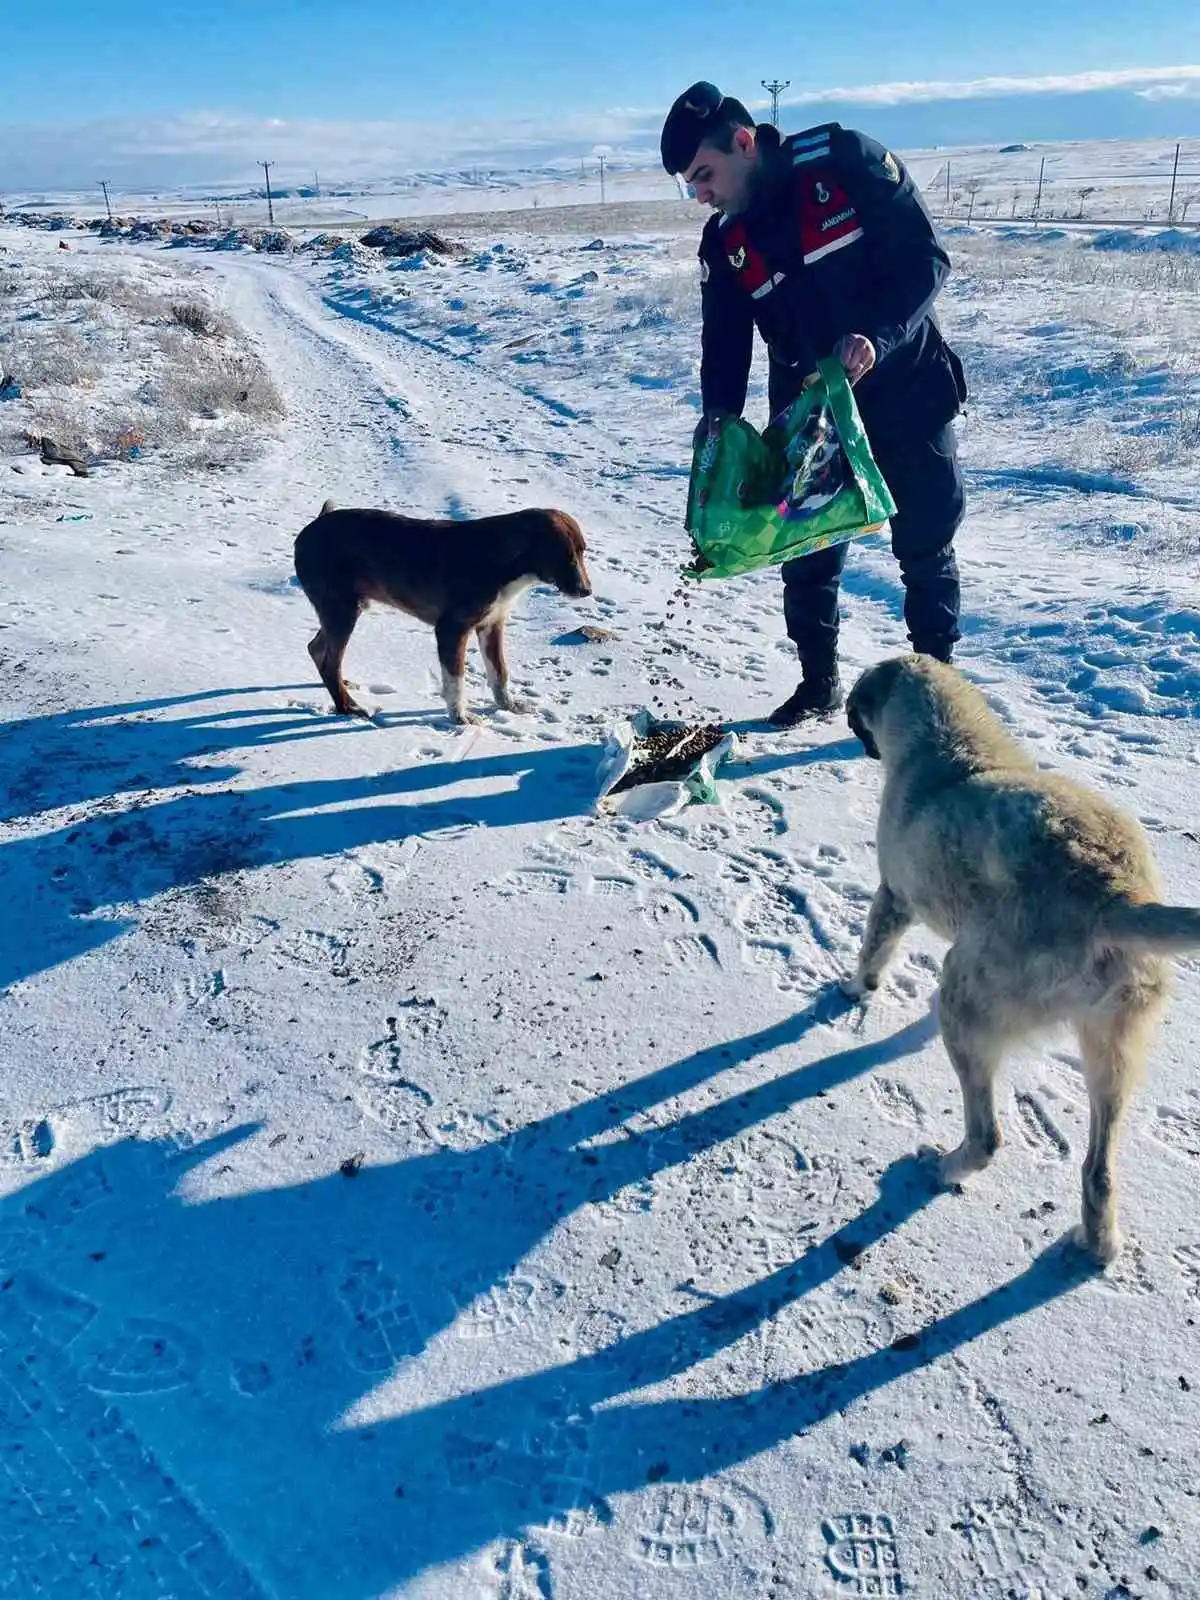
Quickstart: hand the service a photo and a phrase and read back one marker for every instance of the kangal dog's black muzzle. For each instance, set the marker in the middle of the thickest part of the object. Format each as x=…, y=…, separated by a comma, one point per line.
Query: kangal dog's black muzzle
x=860, y=731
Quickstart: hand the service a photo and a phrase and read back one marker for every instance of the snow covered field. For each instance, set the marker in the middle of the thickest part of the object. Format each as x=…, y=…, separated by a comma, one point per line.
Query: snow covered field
x=1128, y=180
x=413, y=1184
x=124, y=356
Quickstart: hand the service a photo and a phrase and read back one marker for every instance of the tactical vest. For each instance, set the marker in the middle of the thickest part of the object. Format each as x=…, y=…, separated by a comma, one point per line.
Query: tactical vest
x=825, y=218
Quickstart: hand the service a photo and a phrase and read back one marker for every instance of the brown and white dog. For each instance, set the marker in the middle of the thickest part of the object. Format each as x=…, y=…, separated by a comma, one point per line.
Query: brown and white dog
x=459, y=577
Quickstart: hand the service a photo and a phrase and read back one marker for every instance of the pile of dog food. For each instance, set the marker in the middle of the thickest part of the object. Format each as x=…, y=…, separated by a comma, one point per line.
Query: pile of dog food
x=668, y=751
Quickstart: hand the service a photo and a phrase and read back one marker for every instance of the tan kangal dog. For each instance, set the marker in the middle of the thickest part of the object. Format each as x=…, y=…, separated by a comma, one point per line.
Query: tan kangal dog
x=1049, y=893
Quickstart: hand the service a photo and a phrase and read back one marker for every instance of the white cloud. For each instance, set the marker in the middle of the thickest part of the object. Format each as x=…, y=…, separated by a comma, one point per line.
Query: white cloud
x=1163, y=80
x=1170, y=91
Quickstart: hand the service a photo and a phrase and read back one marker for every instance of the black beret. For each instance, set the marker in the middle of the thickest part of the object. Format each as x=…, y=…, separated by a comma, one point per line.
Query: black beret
x=692, y=118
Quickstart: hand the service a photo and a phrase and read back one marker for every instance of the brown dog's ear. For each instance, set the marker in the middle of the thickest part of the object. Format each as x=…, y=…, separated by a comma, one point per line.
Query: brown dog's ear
x=542, y=536
x=568, y=529
x=514, y=537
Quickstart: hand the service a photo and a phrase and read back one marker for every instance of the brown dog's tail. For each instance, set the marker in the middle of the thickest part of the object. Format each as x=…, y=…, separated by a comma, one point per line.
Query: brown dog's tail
x=1160, y=928
x=326, y=508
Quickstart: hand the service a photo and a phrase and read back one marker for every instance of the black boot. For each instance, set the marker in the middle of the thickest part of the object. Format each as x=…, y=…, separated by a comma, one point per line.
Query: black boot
x=819, y=694
x=939, y=649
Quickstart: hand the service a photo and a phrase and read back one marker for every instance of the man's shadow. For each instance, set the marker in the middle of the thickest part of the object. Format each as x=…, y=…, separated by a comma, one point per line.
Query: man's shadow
x=785, y=760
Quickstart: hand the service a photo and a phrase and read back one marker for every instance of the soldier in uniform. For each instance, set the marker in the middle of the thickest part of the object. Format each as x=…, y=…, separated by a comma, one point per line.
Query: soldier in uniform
x=822, y=242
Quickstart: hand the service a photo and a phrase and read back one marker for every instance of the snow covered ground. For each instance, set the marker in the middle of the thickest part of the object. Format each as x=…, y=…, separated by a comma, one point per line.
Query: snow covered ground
x=414, y=1184
x=1124, y=179
x=433, y=193
x=124, y=356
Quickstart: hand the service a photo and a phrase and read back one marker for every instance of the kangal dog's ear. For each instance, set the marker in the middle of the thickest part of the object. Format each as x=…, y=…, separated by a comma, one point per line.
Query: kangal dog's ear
x=867, y=700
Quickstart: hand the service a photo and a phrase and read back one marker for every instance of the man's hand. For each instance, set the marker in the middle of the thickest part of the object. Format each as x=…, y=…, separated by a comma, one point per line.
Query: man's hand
x=702, y=428
x=856, y=354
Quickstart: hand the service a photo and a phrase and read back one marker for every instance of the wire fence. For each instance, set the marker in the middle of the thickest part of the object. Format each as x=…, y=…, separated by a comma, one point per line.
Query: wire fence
x=1164, y=198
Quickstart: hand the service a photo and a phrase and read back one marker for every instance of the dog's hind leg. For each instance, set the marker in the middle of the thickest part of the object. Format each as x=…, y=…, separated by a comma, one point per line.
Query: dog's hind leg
x=491, y=647
x=975, y=1044
x=887, y=923
x=328, y=650
x=1113, y=1050
x=452, y=638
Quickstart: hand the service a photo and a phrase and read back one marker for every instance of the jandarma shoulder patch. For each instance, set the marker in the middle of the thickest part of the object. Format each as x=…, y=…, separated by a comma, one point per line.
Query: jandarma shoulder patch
x=891, y=166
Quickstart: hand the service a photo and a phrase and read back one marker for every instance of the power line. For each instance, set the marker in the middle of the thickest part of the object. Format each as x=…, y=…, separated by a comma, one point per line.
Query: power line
x=266, y=166
x=775, y=88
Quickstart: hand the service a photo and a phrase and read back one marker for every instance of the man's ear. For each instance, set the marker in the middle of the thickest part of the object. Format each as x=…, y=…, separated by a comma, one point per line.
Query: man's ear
x=744, y=140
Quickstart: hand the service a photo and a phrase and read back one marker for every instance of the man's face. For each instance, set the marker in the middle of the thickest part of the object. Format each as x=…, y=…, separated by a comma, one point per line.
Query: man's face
x=723, y=179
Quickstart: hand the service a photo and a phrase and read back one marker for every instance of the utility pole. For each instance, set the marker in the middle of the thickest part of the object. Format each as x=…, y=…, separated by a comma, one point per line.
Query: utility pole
x=1037, y=204
x=317, y=184
x=108, y=207
x=1174, y=175
x=775, y=88
x=266, y=166
x=602, y=161
x=947, y=185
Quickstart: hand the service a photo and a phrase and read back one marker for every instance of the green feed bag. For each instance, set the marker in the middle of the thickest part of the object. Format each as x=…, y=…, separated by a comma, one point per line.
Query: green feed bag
x=809, y=481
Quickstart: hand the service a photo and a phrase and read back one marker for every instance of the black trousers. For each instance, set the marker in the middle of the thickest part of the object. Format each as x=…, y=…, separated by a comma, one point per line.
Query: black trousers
x=926, y=484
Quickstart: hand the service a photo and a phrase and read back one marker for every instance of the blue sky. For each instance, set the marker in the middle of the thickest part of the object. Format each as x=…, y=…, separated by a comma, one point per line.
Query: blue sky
x=195, y=88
